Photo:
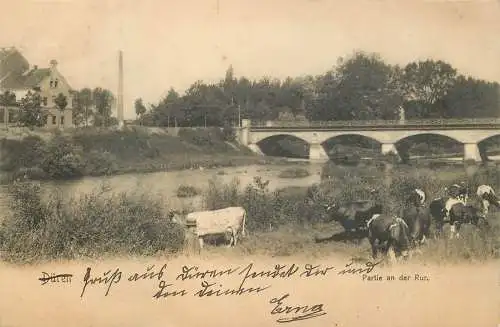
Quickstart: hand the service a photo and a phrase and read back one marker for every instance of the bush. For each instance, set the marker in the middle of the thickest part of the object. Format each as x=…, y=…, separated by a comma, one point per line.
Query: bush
x=187, y=191
x=91, y=225
x=24, y=153
x=61, y=159
x=294, y=173
x=99, y=163
x=229, y=133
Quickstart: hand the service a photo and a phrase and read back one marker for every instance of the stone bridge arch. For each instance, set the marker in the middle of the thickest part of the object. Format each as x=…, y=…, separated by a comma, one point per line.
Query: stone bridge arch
x=365, y=144
x=489, y=146
x=284, y=145
x=423, y=144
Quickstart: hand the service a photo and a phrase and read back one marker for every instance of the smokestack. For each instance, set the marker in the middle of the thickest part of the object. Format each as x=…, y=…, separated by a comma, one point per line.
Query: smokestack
x=119, y=107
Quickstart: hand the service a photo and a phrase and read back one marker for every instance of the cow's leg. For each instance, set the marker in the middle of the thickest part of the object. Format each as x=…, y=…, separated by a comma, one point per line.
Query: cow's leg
x=391, y=254
x=486, y=205
x=457, y=229
x=453, y=230
x=374, y=245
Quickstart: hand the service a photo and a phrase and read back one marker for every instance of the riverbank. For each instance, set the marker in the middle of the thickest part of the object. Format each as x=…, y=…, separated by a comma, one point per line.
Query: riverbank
x=280, y=221
x=99, y=152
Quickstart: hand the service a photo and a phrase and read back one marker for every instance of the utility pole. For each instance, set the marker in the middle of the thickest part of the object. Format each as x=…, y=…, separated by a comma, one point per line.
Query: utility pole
x=119, y=108
x=239, y=115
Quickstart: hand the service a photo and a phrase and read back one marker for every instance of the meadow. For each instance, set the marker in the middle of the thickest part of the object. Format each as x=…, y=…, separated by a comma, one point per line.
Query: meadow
x=280, y=223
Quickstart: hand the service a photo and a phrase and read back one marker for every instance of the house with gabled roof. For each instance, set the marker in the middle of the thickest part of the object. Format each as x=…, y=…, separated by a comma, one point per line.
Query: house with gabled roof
x=18, y=77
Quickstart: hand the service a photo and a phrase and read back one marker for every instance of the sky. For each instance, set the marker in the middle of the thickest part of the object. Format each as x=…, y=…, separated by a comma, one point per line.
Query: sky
x=172, y=43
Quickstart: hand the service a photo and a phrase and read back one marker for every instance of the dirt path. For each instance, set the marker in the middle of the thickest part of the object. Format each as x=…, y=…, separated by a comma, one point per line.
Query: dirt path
x=471, y=295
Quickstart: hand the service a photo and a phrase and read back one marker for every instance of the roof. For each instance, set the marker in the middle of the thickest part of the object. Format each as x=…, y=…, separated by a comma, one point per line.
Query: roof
x=16, y=74
x=5, y=52
x=25, y=81
x=35, y=76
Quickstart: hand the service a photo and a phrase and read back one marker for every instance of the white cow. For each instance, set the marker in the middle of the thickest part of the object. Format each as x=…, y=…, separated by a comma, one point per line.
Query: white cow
x=229, y=220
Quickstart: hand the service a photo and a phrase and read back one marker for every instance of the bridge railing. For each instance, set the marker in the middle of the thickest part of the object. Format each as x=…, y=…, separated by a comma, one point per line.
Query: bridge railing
x=361, y=123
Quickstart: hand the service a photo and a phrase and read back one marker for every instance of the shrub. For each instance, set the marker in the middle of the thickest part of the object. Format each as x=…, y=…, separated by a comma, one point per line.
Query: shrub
x=229, y=133
x=99, y=163
x=61, y=159
x=186, y=191
x=24, y=153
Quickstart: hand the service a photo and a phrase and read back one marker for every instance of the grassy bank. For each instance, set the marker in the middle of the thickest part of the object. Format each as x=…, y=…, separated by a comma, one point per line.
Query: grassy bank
x=279, y=223
x=93, y=152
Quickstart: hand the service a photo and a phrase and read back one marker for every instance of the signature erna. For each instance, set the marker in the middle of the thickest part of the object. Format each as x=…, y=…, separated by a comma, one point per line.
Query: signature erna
x=295, y=313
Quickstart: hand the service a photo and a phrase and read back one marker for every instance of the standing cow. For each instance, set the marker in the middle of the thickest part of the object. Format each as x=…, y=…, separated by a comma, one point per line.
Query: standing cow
x=229, y=222
x=457, y=215
x=417, y=217
x=390, y=233
x=488, y=197
x=354, y=215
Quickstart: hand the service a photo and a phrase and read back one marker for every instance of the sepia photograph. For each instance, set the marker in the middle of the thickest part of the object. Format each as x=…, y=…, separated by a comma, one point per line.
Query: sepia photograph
x=216, y=163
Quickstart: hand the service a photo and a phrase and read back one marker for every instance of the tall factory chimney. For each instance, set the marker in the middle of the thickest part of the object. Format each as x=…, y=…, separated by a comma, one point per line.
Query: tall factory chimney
x=119, y=104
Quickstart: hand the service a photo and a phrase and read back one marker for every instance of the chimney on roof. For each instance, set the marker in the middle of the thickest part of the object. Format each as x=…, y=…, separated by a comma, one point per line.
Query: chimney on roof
x=35, y=67
x=53, y=63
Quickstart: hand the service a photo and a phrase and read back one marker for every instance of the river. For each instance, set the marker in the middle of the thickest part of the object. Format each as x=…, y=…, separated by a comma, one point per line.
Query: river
x=165, y=184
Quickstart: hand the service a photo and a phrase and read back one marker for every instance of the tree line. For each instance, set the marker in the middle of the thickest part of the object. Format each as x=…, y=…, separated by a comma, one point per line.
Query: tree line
x=360, y=87
x=90, y=106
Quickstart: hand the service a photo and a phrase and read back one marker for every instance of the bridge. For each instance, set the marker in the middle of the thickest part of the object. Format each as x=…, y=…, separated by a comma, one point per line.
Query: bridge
x=469, y=132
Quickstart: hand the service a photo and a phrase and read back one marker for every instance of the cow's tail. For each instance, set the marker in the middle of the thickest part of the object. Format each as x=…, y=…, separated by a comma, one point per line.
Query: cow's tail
x=244, y=222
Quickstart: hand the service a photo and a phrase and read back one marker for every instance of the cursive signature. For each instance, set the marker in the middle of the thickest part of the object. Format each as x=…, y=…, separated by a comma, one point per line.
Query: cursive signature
x=301, y=312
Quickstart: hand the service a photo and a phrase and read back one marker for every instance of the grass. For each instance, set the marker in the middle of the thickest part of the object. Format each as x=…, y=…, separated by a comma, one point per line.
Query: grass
x=295, y=172
x=89, y=225
x=280, y=222
x=187, y=191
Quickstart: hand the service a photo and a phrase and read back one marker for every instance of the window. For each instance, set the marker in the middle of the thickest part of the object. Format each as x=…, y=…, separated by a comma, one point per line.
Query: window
x=62, y=120
x=55, y=83
x=44, y=101
x=54, y=120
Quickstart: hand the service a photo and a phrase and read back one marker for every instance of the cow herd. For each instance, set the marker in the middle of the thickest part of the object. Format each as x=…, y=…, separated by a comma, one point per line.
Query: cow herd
x=401, y=234
x=367, y=218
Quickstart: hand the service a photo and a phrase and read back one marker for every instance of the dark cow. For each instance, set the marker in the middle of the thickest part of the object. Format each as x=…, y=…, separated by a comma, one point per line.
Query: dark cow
x=416, y=198
x=388, y=232
x=456, y=213
x=419, y=222
x=354, y=215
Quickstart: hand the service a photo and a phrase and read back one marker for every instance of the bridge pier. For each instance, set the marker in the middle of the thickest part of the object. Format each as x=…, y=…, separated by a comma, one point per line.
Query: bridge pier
x=471, y=152
x=387, y=148
x=317, y=152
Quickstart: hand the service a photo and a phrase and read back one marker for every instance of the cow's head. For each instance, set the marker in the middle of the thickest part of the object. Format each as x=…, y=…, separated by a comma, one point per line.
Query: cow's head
x=401, y=234
x=330, y=207
x=174, y=216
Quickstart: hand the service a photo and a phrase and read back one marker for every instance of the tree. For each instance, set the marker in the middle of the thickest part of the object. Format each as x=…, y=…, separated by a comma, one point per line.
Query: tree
x=61, y=102
x=82, y=110
x=362, y=87
x=8, y=99
x=472, y=98
x=103, y=101
x=30, y=111
x=140, y=108
x=425, y=83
